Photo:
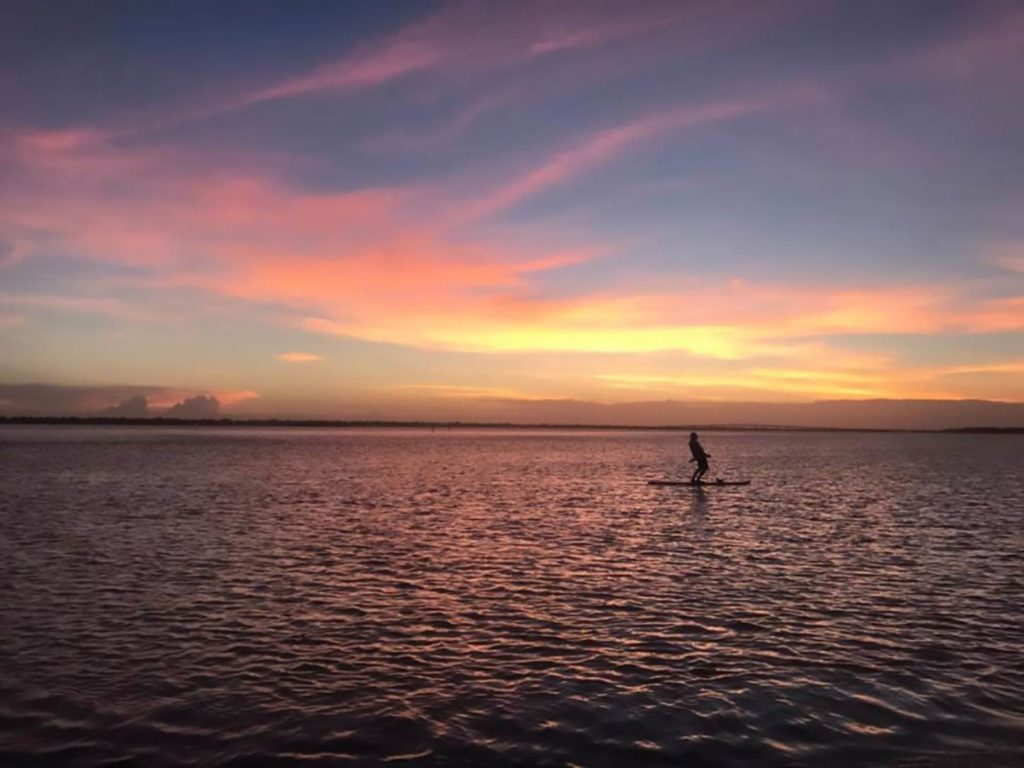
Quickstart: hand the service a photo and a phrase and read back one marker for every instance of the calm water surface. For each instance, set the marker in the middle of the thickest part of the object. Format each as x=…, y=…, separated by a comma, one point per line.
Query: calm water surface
x=250, y=597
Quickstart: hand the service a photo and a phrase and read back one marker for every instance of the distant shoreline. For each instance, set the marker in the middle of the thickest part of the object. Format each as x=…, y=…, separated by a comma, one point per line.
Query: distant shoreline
x=449, y=425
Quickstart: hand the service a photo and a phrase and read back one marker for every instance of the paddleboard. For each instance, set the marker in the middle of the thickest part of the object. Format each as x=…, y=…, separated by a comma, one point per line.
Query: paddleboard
x=702, y=484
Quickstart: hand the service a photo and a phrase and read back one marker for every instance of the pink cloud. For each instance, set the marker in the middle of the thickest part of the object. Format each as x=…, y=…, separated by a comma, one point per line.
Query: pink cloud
x=383, y=265
x=254, y=238
x=152, y=207
x=469, y=35
x=1008, y=255
x=405, y=54
x=667, y=30
x=413, y=275
x=57, y=142
x=380, y=265
x=605, y=145
x=454, y=126
x=570, y=35
x=996, y=43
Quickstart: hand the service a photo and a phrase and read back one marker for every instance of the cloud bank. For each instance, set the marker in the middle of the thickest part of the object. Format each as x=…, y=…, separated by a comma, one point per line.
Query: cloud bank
x=467, y=406
x=132, y=402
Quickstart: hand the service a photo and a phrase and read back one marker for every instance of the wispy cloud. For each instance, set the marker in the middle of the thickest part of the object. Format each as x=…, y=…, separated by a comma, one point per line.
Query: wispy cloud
x=371, y=264
x=421, y=250
x=1007, y=255
x=89, y=305
x=460, y=36
x=994, y=42
x=604, y=146
x=368, y=264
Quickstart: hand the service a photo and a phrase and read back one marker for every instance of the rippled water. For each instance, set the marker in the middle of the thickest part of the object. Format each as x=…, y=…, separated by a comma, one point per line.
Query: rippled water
x=212, y=596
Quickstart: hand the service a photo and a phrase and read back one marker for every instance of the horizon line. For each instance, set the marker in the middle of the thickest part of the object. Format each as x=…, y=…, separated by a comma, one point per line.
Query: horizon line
x=158, y=421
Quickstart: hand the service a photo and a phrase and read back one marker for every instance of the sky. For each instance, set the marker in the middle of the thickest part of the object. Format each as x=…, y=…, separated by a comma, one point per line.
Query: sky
x=468, y=210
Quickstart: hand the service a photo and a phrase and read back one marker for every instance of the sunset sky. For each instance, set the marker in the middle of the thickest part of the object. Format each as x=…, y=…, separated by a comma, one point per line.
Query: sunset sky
x=420, y=209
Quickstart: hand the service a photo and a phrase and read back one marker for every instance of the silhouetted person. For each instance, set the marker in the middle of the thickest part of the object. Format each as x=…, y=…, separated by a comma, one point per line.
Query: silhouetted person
x=699, y=456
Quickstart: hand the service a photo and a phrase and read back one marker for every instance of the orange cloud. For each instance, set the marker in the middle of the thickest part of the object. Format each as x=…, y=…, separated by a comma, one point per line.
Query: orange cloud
x=816, y=371
x=228, y=398
x=165, y=398
x=775, y=386
x=729, y=321
x=381, y=265
x=299, y=357
x=462, y=391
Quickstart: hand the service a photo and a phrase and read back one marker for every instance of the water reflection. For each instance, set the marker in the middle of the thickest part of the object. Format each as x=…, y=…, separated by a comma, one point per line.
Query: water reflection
x=699, y=504
x=506, y=599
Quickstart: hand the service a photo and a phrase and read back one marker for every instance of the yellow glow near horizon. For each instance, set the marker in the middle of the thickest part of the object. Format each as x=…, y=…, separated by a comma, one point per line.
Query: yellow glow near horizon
x=683, y=247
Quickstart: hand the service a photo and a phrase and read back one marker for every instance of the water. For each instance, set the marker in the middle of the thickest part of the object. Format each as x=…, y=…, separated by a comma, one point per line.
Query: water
x=246, y=597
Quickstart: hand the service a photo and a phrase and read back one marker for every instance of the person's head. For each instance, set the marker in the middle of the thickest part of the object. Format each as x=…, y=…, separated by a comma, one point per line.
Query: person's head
x=693, y=435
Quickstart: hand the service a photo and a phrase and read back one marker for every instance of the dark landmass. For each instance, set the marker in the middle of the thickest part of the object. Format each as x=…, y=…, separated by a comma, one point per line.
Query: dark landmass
x=328, y=423
x=44, y=401
x=988, y=430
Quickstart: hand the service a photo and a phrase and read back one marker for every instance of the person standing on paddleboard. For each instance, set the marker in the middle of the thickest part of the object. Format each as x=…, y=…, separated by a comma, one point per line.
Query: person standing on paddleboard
x=699, y=456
